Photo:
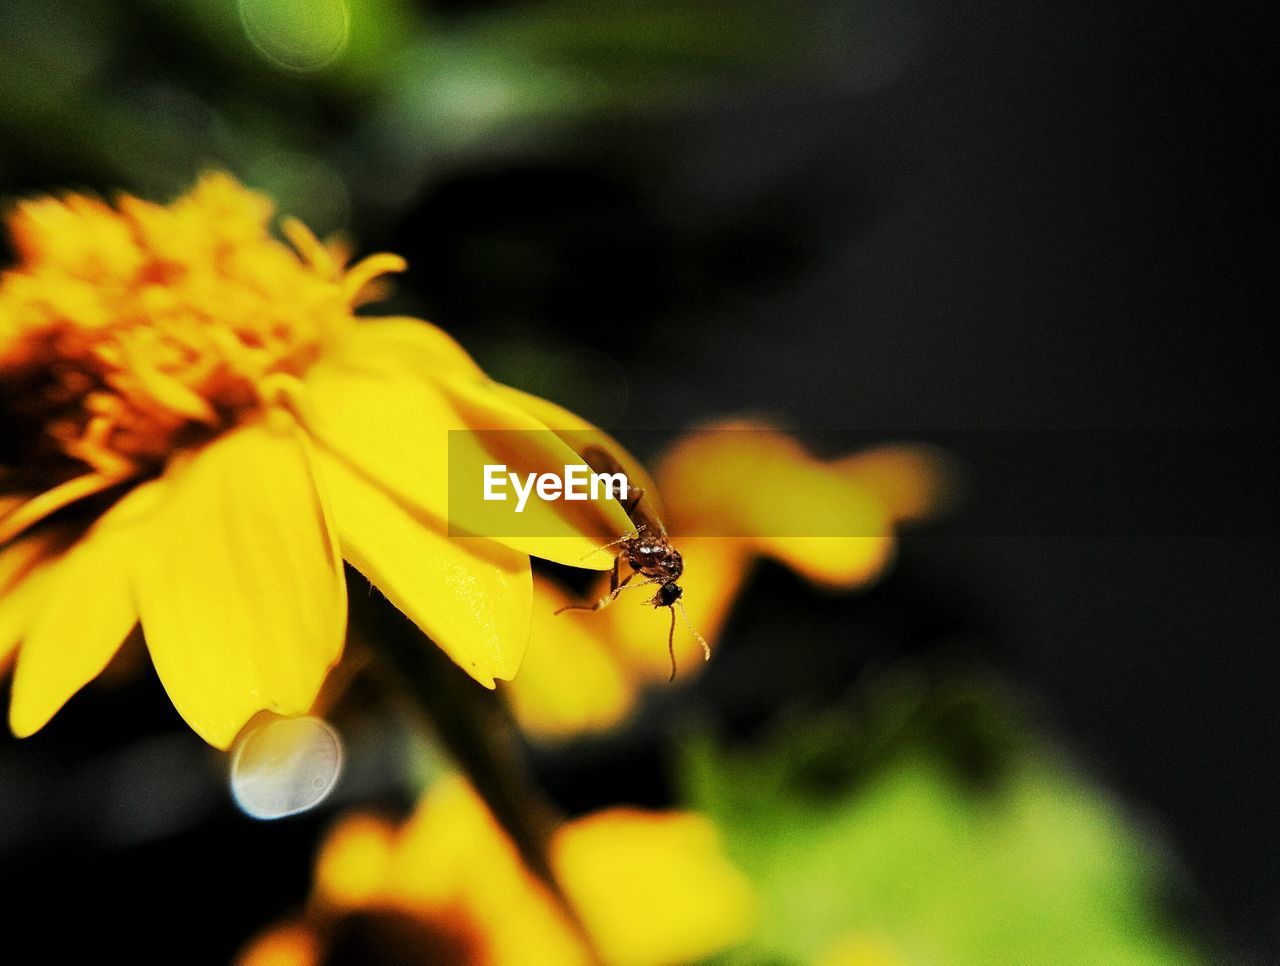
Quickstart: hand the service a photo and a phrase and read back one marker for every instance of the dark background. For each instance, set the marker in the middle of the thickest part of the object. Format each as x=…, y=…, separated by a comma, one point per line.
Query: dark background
x=1029, y=223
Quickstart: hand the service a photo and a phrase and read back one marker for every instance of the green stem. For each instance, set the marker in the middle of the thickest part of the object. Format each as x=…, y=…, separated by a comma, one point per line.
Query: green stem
x=476, y=729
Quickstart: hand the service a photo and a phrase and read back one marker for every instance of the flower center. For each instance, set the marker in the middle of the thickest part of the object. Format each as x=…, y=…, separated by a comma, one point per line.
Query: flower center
x=127, y=333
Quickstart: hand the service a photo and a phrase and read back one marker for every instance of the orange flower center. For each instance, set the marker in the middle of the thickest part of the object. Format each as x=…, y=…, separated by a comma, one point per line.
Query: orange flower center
x=127, y=333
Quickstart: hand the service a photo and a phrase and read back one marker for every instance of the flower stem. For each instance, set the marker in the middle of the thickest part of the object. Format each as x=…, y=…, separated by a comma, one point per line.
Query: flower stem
x=476, y=729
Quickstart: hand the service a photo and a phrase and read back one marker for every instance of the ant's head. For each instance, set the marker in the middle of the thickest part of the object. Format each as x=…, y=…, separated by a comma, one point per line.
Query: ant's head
x=668, y=594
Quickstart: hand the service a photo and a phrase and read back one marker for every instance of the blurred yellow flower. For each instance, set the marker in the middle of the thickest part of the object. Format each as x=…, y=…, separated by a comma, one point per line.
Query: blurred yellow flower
x=205, y=430
x=650, y=888
x=747, y=491
x=858, y=949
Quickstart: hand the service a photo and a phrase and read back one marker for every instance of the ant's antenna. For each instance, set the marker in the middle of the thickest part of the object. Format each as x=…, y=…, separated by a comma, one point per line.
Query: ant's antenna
x=671, y=637
x=706, y=648
x=671, y=645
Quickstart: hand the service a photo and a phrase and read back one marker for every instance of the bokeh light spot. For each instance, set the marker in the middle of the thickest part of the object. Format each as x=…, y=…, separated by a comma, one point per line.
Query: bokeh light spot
x=298, y=35
x=285, y=766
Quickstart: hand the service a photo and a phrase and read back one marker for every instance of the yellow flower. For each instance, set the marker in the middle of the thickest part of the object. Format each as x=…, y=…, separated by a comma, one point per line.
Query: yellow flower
x=858, y=949
x=747, y=491
x=206, y=431
x=650, y=888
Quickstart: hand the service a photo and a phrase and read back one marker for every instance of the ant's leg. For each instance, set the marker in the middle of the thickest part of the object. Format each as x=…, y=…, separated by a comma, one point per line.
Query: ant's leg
x=616, y=587
x=634, y=502
x=603, y=602
x=631, y=535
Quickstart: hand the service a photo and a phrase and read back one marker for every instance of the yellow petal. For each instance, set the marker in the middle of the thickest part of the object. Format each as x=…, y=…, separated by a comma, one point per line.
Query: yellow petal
x=861, y=949
x=360, y=281
x=526, y=445
x=11, y=501
x=453, y=854
x=756, y=482
x=353, y=866
x=240, y=588
x=396, y=425
x=571, y=679
x=88, y=612
x=653, y=888
x=574, y=534
x=393, y=426
x=818, y=519
x=294, y=944
x=580, y=435
x=411, y=343
x=914, y=482
x=841, y=563
x=469, y=595
x=714, y=571
x=31, y=512
x=23, y=568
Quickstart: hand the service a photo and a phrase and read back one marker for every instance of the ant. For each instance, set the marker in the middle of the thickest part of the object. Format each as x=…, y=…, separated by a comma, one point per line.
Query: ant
x=649, y=554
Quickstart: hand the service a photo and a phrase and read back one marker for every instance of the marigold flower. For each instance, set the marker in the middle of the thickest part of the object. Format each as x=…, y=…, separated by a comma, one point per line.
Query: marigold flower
x=206, y=430
x=650, y=887
x=740, y=480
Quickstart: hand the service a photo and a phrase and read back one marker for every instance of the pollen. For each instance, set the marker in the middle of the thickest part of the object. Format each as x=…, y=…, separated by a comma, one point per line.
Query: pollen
x=131, y=331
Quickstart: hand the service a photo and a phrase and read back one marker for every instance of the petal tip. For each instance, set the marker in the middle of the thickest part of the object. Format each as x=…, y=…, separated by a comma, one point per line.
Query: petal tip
x=27, y=714
x=22, y=723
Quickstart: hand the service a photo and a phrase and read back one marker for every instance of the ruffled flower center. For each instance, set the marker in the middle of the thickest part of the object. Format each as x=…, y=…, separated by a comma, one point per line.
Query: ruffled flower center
x=132, y=331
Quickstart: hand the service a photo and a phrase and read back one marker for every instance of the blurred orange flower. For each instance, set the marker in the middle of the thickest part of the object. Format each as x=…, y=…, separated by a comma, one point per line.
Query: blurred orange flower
x=747, y=491
x=206, y=430
x=650, y=888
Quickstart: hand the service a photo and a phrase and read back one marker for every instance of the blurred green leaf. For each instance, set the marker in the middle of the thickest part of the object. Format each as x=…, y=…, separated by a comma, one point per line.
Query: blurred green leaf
x=935, y=829
x=144, y=93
